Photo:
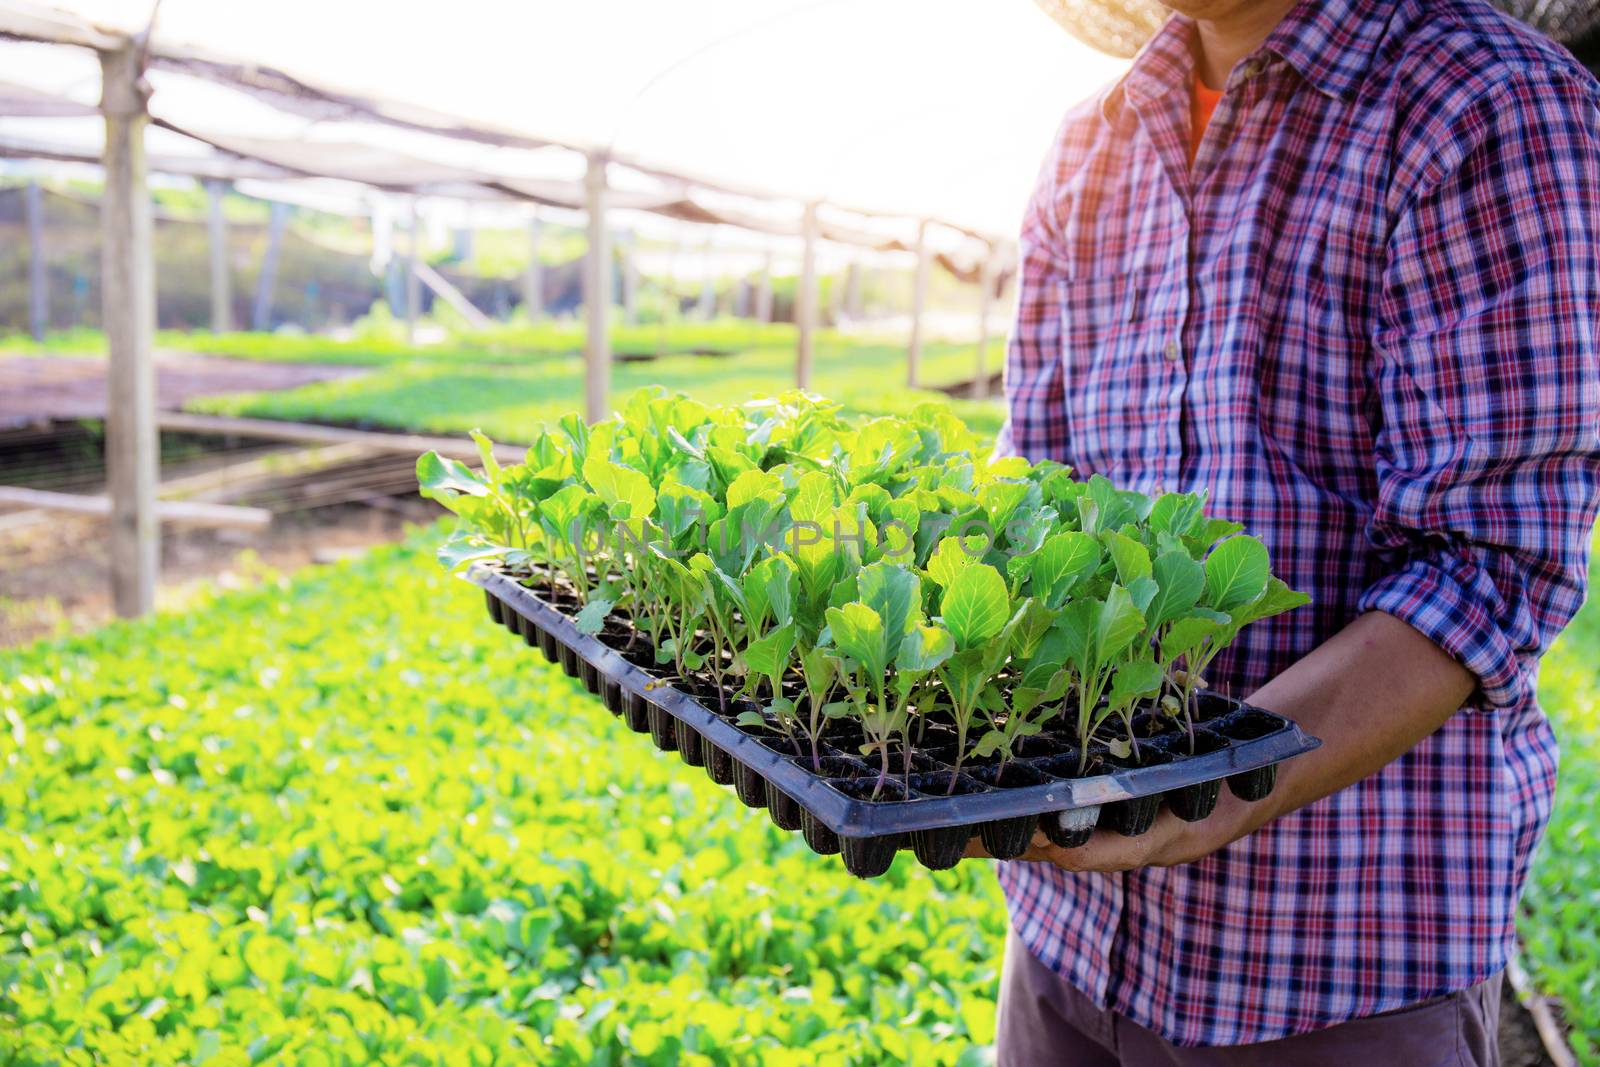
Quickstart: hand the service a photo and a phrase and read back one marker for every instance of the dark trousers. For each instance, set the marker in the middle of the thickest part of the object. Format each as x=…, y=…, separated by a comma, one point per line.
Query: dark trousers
x=1044, y=1020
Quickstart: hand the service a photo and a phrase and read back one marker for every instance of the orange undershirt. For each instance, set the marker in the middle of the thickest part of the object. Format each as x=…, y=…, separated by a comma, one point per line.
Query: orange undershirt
x=1201, y=104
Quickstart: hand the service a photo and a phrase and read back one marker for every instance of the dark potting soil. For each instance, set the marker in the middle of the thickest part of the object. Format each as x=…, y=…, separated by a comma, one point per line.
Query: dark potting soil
x=946, y=755
x=1208, y=706
x=902, y=763
x=1040, y=746
x=1248, y=725
x=1010, y=775
x=835, y=766
x=1066, y=765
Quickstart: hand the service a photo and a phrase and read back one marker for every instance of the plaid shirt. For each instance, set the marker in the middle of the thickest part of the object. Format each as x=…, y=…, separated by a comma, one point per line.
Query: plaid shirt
x=1366, y=321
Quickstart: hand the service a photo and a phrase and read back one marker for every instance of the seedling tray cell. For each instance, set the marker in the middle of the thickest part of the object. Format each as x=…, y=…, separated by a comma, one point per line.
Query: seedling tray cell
x=835, y=810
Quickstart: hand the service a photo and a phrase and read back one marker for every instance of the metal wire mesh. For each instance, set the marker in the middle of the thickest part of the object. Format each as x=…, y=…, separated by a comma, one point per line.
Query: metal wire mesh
x=316, y=286
x=1121, y=27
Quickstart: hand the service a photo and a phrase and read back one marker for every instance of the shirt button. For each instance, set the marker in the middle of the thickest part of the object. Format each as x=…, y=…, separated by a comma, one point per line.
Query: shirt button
x=1172, y=351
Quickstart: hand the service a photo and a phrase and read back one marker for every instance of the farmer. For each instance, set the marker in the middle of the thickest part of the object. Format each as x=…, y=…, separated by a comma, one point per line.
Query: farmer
x=1340, y=263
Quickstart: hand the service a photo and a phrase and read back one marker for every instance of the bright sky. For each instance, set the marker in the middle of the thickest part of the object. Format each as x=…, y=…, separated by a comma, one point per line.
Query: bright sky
x=936, y=106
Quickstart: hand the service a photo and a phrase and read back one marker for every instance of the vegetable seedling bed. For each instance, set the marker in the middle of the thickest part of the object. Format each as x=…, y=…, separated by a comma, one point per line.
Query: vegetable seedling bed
x=833, y=805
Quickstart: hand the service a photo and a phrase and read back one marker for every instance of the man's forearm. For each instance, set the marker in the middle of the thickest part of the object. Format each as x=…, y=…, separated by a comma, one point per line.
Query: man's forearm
x=1370, y=692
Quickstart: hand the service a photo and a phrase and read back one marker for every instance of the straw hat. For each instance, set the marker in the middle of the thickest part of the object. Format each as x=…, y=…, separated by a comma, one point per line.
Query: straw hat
x=1115, y=27
x=1121, y=27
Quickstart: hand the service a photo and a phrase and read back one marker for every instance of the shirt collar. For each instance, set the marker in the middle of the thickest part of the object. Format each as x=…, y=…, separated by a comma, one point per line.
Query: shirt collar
x=1331, y=43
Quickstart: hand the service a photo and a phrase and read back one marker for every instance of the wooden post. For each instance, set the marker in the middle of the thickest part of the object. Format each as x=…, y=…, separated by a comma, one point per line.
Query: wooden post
x=805, y=299
x=919, y=304
x=38, y=267
x=596, y=295
x=533, y=280
x=980, y=383
x=267, y=283
x=217, y=231
x=128, y=312
x=413, y=283
x=630, y=279
x=764, y=291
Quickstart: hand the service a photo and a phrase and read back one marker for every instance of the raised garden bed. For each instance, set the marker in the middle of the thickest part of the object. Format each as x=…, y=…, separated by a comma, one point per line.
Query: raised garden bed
x=832, y=804
x=874, y=630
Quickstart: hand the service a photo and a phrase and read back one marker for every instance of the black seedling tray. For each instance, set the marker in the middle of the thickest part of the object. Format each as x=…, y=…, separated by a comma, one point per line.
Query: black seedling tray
x=1240, y=744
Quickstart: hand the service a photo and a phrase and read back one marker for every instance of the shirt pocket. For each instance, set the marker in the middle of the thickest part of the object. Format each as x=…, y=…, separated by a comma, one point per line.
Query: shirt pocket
x=1113, y=378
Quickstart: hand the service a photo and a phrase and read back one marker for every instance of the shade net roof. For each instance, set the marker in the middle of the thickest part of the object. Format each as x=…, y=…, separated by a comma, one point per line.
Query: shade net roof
x=907, y=108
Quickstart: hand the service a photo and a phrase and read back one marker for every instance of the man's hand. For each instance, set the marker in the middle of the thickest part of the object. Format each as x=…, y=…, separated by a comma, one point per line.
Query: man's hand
x=1370, y=692
x=1169, y=842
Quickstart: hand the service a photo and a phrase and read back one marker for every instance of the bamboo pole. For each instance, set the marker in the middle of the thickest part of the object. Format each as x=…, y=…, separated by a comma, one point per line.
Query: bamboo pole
x=919, y=306
x=128, y=311
x=440, y=287
x=596, y=295
x=805, y=299
x=312, y=434
x=533, y=280
x=38, y=266
x=217, y=233
x=193, y=512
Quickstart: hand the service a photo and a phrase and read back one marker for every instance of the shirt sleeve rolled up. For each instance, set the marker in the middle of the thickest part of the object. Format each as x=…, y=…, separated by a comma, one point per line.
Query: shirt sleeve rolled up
x=1487, y=382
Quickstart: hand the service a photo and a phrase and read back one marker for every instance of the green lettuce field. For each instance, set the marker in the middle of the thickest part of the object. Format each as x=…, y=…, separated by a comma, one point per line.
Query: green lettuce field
x=341, y=820
x=508, y=391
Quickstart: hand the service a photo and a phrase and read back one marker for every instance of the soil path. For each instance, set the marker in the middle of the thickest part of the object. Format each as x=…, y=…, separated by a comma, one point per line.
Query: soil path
x=37, y=389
